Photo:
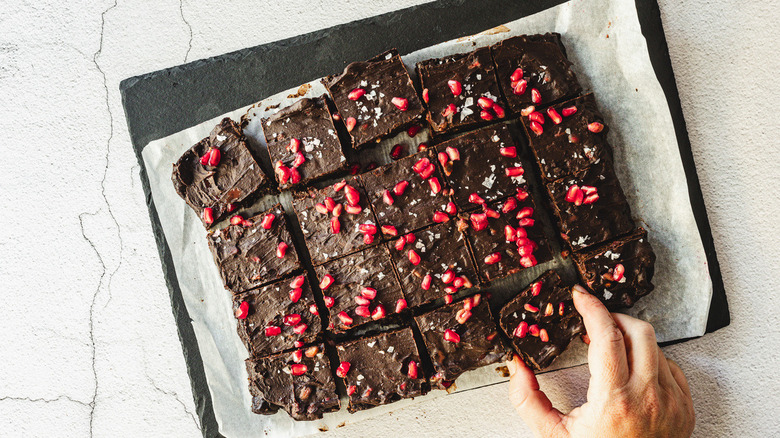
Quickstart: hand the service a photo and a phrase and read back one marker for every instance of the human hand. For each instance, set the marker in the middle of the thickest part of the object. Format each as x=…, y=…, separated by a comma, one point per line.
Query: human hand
x=634, y=391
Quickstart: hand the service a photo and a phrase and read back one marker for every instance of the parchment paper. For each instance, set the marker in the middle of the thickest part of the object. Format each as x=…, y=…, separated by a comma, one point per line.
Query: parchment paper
x=604, y=40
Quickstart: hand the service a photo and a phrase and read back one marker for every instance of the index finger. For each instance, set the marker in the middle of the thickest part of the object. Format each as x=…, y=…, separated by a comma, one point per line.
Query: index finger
x=607, y=351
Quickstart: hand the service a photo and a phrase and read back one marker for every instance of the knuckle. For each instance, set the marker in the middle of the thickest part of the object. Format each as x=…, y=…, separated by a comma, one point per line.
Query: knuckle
x=652, y=403
x=646, y=329
x=613, y=335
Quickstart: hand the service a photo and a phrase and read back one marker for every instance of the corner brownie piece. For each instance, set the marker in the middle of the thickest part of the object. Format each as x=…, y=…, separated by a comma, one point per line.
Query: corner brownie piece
x=620, y=272
x=541, y=321
x=275, y=317
x=534, y=62
x=300, y=382
x=218, y=174
x=506, y=237
x=336, y=220
x=359, y=288
x=380, y=369
x=407, y=195
x=460, y=337
x=461, y=90
x=481, y=166
x=375, y=98
x=568, y=137
x=255, y=251
x=432, y=263
x=590, y=206
x=303, y=143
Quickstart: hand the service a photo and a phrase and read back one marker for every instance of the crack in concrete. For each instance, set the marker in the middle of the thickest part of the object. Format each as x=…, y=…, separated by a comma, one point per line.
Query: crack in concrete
x=46, y=400
x=175, y=395
x=189, y=26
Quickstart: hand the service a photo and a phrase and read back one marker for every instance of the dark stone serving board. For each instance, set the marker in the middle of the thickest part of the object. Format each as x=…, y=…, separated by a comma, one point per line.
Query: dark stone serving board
x=214, y=86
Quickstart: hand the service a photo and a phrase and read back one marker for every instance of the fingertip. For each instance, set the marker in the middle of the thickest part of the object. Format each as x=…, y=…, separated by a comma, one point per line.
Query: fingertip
x=511, y=365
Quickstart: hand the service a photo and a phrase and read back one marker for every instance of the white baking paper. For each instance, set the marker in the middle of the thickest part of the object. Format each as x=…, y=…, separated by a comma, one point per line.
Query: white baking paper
x=604, y=40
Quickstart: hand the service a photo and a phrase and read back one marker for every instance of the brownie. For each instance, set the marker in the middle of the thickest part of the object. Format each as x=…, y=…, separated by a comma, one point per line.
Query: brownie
x=619, y=272
x=504, y=243
x=407, y=195
x=255, y=251
x=375, y=98
x=300, y=382
x=541, y=321
x=218, y=174
x=273, y=318
x=334, y=220
x=460, y=337
x=461, y=90
x=303, y=143
x=380, y=369
x=432, y=262
x=481, y=166
x=567, y=137
x=359, y=288
x=590, y=206
x=543, y=66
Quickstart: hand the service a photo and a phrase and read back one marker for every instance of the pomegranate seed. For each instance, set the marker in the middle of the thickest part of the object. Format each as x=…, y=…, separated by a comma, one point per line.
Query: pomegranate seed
x=399, y=244
x=411, y=372
x=499, y=110
x=353, y=196
x=510, y=233
x=595, y=127
x=448, y=299
x=329, y=301
x=243, y=310
x=531, y=308
x=368, y=292
x=335, y=225
x=514, y=171
x=520, y=88
x=444, y=159
x=272, y=330
x=509, y=205
x=590, y=199
x=389, y=230
x=292, y=319
x=458, y=282
x=548, y=310
x=451, y=336
x=428, y=171
x=281, y=250
x=421, y=164
x=455, y=87
x=474, y=198
x=268, y=221
x=618, y=272
x=298, y=281
x=493, y=258
x=451, y=208
x=468, y=303
x=343, y=369
x=414, y=258
x=336, y=116
x=449, y=110
x=478, y=221
x=466, y=282
x=321, y=208
x=536, y=288
x=231, y=207
x=528, y=261
x=295, y=294
x=236, y=220
x=491, y=213
x=522, y=330
x=486, y=115
x=337, y=210
x=204, y=160
x=363, y=311
x=330, y=204
x=354, y=169
x=387, y=197
x=536, y=96
x=400, y=103
x=353, y=209
x=450, y=289
x=362, y=301
x=448, y=276
x=422, y=147
x=367, y=392
x=543, y=336
x=569, y=111
x=516, y=75
x=378, y=313
x=533, y=330
x=435, y=185
x=295, y=145
x=208, y=215
x=410, y=238
x=536, y=128
x=298, y=369
x=367, y=228
x=351, y=390
x=588, y=190
x=397, y=152
x=510, y=152
x=525, y=250
x=561, y=308
x=491, y=336
x=344, y=318
x=462, y=316
x=453, y=153
x=484, y=102
x=356, y=94
x=297, y=355
x=526, y=222
x=554, y=116
x=214, y=157
x=350, y=123
x=425, y=95
x=573, y=194
x=295, y=176
x=313, y=309
x=326, y=282
x=525, y=212
x=339, y=185
x=368, y=239
x=400, y=305
x=299, y=160
x=413, y=130
x=440, y=217
x=426, y=282
x=537, y=117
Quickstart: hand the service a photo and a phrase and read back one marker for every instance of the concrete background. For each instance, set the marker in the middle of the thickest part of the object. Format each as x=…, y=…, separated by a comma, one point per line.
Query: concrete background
x=89, y=345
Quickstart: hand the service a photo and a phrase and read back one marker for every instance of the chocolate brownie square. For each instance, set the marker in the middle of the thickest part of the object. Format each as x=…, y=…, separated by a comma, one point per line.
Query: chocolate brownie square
x=460, y=337
x=275, y=317
x=359, y=288
x=534, y=70
x=619, y=272
x=541, y=321
x=380, y=369
x=218, y=174
x=375, y=98
x=432, y=263
x=567, y=137
x=407, y=195
x=506, y=236
x=300, y=382
x=336, y=220
x=303, y=143
x=255, y=251
x=461, y=91
x=481, y=166
x=590, y=206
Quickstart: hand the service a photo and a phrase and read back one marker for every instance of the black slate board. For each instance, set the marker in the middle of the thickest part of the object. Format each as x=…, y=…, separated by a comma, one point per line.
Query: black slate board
x=214, y=86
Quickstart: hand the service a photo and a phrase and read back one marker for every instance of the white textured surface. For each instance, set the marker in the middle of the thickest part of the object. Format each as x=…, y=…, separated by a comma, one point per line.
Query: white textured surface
x=89, y=345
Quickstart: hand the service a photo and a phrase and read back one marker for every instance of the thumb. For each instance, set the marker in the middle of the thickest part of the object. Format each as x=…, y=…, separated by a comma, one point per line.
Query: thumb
x=531, y=403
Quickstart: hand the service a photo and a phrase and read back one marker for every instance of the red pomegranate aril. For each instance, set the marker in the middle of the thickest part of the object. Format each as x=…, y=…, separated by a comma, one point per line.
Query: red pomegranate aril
x=435, y=185
x=321, y=208
x=525, y=212
x=588, y=190
x=351, y=390
x=449, y=110
x=573, y=192
x=528, y=261
x=272, y=330
x=478, y=221
x=368, y=292
x=214, y=157
x=339, y=185
x=353, y=209
x=428, y=171
x=422, y=147
x=292, y=319
x=548, y=310
x=204, y=159
x=440, y=217
x=345, y=318
x=298, y=281
x=536, y=96
x=543, y=336
x=617, y=273
x=533, y=330
x=447, y=276
x=368, y=239
x=493, y=258
x=335, y=225
x=343, y=369
x=410, y=238
x=299, y=160
x=514, y=171
x=491, y=213
x=268, y=221
x=516, y=75
x=236, y=220
x=367, y=228
x=525, y=250
x=566, y=112
x=450, y=289
x=295, y=176
x=354, y=169
x=329, y=301
x=510, y=234
x=486, y=115
x=520, y=87
x=453, y=153
x=536, y=288
x=525, y=112
x=491, y=336
x=448, y=299
x=389, y=230
x=243, y=310
x=350, y=123
x=281, y=250
x=426, y=282
x=509, y=205
x=458, y=282
x=399, y=244
x=590, y=199
x=522, y=330
x=326, y=282
x=298, y=369
x=474, y=198
x=526, y=222
x=443, y=158
x=297, y=356
x=400, y=305
x=561, y=309
x=451, y=208
x=356, y=94
x=595, y=127
x=208, y=215
x=536, y=128
x=530, y=308
x=387, y=198
x=363, y=311
x=360, y=300
x=313, y=309
x=451, y=336
x=353, y=196
x=414, y=258
x=411, y=371
x=510, y=152
x=231, y=207
x=330, y=204
x=455, y=87
x=397, y=152
x=499, y=111
x=378, y=313
x=537, y=117
x=413, y=130
x=554, y=116
x=400, y=103
x=295, y=294
x=462, y=316
x=484, y=102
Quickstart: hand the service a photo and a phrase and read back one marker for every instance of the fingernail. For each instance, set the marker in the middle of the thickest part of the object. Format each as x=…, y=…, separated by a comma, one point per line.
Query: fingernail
x=512, y=365
x=578, y=288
